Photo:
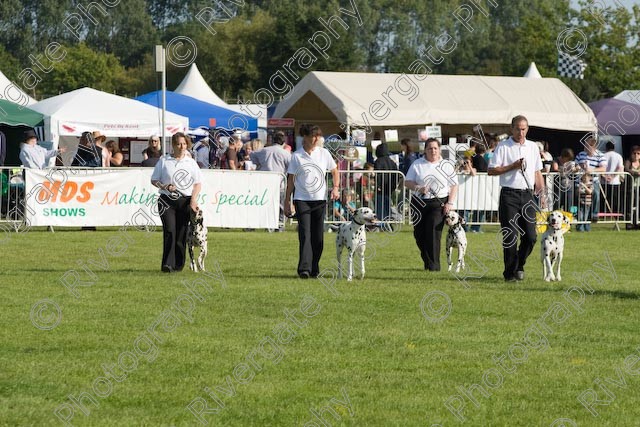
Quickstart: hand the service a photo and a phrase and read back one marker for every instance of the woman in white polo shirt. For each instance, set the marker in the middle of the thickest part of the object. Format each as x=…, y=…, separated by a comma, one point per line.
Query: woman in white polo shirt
x=179, y=180
x=306, y=175
x=434, y=185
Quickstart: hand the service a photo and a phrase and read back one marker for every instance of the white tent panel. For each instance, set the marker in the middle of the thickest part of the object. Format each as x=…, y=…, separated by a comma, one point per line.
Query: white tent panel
x=533, y=72
x=11, y=92
x=86, y=109
x=632, y=96
x=405, y=100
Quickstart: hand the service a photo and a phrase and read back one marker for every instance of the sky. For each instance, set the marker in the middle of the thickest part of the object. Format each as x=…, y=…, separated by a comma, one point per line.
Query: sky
x=626, y=3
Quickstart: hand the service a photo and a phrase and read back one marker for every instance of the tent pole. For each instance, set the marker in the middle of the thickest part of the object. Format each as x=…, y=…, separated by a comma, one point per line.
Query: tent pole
x=164, y=100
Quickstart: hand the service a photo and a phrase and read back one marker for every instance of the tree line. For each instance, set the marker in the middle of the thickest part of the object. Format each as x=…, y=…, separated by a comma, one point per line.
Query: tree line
x=54, y=46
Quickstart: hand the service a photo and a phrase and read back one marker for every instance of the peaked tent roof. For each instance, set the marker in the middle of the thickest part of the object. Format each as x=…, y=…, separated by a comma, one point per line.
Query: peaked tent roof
x=632, y=96
x=88, y=109
x=16, y=115
x=200, y=112
x=533, y=72
x=11, y=92
x=195, y=86
x=616, y=117
x=352, y=97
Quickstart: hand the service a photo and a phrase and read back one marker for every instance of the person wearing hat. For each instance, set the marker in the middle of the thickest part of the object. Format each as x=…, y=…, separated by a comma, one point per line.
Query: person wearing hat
x=89, y=155
x=99, y=139
x=34, y=156
x=201, y=152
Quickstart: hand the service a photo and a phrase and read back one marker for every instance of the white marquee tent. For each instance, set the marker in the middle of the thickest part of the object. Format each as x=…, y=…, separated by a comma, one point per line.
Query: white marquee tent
x=532, y=72
x=632, y=96
x=86, y=109
x=404, y=100
x=11, y=92
x=195, y=86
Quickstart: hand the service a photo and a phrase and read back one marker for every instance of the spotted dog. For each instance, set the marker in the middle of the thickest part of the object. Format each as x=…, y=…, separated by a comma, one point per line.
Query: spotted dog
x=197, y=237
x=552, y=247
x=456, y=237
x=353, y=236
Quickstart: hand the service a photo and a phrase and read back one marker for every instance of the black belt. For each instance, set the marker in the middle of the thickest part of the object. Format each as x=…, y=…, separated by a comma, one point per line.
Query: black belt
x=516, y=190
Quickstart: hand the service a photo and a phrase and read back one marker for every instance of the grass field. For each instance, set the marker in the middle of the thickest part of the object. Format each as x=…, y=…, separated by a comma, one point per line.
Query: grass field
x=255, y=345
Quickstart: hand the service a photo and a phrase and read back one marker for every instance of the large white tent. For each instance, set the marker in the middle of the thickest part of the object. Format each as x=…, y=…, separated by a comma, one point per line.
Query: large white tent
x=195, y=86
x=86, y=109
x=632, y=96
x=381, y=100
x=11, y=92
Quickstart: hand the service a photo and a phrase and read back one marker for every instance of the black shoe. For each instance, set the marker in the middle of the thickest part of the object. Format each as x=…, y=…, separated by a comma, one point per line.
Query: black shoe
x=167, y=269
x=519, y=275
x=510, y=279
x=314, y=275
x=304, y=275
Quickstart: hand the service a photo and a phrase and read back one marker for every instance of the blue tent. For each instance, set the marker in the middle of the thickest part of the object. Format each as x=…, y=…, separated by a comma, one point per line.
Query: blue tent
x=200, y=112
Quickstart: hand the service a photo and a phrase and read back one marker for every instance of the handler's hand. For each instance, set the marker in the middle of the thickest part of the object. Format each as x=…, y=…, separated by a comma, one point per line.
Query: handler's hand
x=335, y=193
x=194, y=205
x=517, y=164
x=288, y=212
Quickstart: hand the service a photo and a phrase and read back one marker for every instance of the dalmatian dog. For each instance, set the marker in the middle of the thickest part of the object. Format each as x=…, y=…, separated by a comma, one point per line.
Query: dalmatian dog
x=456, y=238
x=552, y=247
x=197, y=237
x=352, y=236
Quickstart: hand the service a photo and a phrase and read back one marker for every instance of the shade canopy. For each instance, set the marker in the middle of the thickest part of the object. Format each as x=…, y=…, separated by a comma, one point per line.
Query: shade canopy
x=616, y=117
x=12, y=114
x=632, y=96
x=201, y=113
x=405, y=100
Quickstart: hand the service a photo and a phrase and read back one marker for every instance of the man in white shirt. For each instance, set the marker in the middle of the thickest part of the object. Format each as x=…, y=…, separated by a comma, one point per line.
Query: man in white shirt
x=201, y=153
x=517, y=162
x=306, y=174
x=612, y=188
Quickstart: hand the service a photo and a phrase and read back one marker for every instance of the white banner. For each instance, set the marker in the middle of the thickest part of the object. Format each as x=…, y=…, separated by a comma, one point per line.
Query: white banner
x=115, y=197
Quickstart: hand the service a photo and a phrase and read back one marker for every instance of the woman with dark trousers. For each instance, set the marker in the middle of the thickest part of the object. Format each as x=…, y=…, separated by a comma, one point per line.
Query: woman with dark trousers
x=179, y=180
x=433, y=195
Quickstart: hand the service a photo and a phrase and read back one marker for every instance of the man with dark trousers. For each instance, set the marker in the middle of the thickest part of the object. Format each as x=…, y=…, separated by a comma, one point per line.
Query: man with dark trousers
x=306, y=175
x=517, y=162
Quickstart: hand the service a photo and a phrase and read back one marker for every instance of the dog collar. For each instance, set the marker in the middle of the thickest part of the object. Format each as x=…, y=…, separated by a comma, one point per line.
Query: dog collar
x=359, y=223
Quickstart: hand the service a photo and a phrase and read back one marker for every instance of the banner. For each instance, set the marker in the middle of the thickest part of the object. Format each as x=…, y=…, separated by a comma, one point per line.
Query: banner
x=116, y=197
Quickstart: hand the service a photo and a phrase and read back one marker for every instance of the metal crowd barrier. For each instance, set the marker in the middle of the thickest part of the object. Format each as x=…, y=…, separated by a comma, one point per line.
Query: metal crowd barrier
x=382, y=191
x=615, y=198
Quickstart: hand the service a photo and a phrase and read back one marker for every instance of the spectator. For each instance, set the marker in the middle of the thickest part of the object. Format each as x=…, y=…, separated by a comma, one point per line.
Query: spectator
x=154, y=142
x=465, y=167
x=632, y=166
x=234, y=160
x=592, y=160
x=115, y=155
x=493, y=143
x=433, y=197
x=344, y=207
x=274, y=158
x=154, y=156
x=201, y=152
x=408, y=155
x=366, y=186
x=34, y=156
x=479, y=163
x=99, y=139
x=250, y=147
x=89, y=155
x=306, y=173
x=386, y=182
x=545, y=156
x=615, y=165
x=566, y=168
x=585, y=196
x=3, y=148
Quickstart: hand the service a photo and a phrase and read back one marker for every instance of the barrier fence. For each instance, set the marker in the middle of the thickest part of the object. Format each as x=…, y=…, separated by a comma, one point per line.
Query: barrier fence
x=610, y=198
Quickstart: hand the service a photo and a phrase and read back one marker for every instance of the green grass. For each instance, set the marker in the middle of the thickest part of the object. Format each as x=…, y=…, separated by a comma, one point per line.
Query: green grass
x=370, y=340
